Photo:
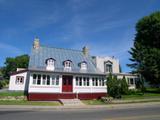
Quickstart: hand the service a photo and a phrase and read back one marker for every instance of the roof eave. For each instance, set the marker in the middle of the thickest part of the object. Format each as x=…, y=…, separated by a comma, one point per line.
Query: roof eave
x=66, y=72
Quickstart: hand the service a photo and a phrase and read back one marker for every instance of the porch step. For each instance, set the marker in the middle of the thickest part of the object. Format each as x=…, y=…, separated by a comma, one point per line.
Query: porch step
x=71, y=102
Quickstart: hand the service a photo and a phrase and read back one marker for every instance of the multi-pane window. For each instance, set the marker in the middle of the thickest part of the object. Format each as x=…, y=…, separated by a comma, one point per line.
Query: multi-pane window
x=130, y=81
x=57, y=80
x=87, y=81
x=53, y=80
x=19, y=80
x=82, y=81
x=50, y=64
x=108, y=68
x=98, y=81
x=44, y=80
x=39, y=79
x=34, y=79
x=67, y=65
x=93, y=81
x=48, y=80
x=103, y=82
x=77, y=81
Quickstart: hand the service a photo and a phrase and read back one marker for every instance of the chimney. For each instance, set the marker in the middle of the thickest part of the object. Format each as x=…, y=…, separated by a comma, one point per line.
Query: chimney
x=36, y=43
x=85, y=51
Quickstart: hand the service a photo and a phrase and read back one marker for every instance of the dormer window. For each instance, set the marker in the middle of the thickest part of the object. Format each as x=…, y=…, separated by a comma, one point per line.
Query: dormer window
x=50, y=64
x=67, y=65
x=108, y=67
x=83, y=65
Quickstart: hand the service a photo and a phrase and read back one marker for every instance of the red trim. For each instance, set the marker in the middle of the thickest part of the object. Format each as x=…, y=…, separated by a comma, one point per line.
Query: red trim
x=57, y=96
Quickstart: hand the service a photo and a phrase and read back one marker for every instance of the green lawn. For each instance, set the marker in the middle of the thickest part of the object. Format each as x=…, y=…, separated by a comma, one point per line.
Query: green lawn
x=141, y=96
x=25, y=102
x=153, y=90
x=93, y=102
x=12, y=93
x=147, y=97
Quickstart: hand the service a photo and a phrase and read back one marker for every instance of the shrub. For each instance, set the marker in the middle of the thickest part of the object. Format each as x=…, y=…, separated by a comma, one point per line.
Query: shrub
x=3, y=83
x=113, y=87
x=124, y=86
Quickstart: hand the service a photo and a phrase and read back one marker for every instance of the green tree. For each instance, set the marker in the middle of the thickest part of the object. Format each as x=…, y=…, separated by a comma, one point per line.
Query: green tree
x=11, y=64
x=124, y=86
x=146, y=50
x=113, y=86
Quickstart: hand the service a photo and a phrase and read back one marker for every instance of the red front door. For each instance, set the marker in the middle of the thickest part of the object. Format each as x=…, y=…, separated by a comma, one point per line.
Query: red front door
x=67, y=83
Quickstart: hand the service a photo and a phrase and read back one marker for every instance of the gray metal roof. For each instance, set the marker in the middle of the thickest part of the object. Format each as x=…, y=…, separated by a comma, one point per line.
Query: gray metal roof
x=39, y=56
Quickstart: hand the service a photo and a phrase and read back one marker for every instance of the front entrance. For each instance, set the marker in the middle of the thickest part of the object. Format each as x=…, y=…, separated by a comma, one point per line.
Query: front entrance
x=67, y=82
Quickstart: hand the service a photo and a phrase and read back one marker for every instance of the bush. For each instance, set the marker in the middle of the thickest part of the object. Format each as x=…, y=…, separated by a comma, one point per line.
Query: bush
x=124, y=86
x=114, y=87
x=3, y=83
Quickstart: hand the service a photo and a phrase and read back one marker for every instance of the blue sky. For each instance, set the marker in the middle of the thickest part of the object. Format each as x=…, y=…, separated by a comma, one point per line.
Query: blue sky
x=107, y=27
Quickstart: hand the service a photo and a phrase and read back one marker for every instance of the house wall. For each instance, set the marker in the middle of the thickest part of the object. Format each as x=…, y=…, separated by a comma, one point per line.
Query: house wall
x=99, y=61
x=14, y=86
x=58, y=88
x=88, y=89
x=128, y=80
x=44, y=88
x=54, y=92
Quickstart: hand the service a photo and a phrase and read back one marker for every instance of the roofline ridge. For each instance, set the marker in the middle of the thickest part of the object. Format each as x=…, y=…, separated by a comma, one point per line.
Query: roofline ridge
x=60, y=48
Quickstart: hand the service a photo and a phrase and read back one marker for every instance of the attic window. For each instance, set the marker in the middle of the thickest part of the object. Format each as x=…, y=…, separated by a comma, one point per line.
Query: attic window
x=108, y=66
x=67, y=64
x=50, y=64
x=83, y=65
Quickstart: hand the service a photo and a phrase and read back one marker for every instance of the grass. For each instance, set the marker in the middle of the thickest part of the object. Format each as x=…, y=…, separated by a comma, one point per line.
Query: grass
x=93, y=102
x=141, y=96
x=25, y=102
x=13, y=93
x=147, y=97
x=153, y=90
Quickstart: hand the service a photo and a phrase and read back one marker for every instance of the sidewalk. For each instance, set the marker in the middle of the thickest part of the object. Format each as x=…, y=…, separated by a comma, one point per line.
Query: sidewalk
x=85, y=107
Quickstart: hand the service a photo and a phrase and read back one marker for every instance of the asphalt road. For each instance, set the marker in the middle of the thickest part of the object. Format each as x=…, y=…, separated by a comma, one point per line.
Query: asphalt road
x=144, y=113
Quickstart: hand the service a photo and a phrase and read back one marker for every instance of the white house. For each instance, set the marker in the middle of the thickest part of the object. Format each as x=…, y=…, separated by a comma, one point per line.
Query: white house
x=111, y=65
x=56, y=73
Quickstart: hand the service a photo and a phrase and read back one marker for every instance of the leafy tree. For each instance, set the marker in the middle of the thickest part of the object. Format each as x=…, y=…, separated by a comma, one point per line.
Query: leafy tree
x=146, y=50
x=113, y=86
x=140, y=84
x=11, y=64
x=124, y=86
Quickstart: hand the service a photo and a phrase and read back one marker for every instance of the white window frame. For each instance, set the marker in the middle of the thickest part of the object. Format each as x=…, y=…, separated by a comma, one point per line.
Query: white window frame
x=46, y=79
x=83, y=66
x=67, y=65
x=50, y=64
x=108, y=67
x=19, y=80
